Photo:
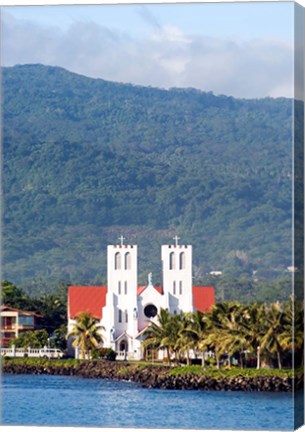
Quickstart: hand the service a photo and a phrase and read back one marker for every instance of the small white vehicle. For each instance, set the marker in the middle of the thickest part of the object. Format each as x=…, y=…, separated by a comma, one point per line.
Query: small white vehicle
x=50, y=353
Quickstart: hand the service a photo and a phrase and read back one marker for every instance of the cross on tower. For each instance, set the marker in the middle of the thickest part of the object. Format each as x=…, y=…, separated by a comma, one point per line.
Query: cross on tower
x=121, y=238
x=176, y=238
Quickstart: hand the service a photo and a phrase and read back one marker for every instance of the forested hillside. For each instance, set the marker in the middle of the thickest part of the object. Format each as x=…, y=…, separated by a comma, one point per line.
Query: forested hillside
x=87, y=160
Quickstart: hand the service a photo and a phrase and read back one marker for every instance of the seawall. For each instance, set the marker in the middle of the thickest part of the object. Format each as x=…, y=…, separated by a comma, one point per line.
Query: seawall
x=156, y=376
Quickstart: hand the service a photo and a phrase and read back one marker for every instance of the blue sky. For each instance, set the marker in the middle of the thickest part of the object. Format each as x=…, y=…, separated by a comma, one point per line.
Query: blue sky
x=239, y=49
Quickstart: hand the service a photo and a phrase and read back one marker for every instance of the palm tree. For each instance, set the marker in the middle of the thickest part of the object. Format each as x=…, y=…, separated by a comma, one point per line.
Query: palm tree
x=292, y=335
x=163, y=334
x=87, y=334
x=271, y=340
x=233, y=335
x=224, y=330
x=254, y=328
x=193, y=334
x=185, y=343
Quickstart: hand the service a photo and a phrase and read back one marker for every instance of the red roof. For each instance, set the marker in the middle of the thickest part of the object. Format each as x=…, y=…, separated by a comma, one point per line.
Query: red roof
x=203, y=298
x=86, y=299
x=142, y=288
x=93, y=298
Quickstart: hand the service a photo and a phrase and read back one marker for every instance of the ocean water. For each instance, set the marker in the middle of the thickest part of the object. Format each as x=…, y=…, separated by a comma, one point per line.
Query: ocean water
x=42, y=400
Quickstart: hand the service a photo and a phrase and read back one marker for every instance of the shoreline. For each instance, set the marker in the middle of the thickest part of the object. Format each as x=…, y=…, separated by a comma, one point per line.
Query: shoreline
x=155, y=376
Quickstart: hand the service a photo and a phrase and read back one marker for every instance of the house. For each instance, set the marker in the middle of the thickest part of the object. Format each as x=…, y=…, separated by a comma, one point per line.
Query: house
x=125, y=309
x=14, y=321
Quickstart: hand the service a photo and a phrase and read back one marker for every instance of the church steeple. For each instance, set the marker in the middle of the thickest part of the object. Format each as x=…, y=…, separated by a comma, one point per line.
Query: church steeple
x=177, y=276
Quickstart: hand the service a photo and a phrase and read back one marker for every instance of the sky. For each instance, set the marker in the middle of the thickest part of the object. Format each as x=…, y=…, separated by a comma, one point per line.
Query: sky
x=238, y=49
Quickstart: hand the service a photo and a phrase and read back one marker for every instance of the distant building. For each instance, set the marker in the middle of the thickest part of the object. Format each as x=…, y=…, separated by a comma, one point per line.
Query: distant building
x=216, y=273
x=292, y=269
x=15, y=321
x=125, y=309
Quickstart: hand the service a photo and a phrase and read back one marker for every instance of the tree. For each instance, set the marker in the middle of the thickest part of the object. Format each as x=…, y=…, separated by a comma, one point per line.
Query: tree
x=271, y=340
x=14, y=297
x=163, y=334
x=254, y=326
x=86, y=332
x=193, y=334
x=219, y=324
x=31, y=339
x=58, y=338
x=54, y=310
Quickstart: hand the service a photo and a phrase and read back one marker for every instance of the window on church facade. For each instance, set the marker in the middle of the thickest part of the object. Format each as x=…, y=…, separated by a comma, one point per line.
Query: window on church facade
x=127, y=261
x=172, y=261
x=182, y=261
x=119, y=287
x=180, y=287
x=120, y=316
x=126, y=316
x=117, y=261
x=174, y=287
x=125, y=287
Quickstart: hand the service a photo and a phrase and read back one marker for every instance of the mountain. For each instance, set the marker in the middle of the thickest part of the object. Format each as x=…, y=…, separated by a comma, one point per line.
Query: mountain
x=86, y=160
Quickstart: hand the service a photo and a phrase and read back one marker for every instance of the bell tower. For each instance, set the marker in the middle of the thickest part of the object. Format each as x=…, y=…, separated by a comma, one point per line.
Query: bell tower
x=177, y=277
x=122, y=282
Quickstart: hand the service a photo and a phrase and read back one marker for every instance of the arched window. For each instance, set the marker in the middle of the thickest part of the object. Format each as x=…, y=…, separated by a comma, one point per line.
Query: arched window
x=117, y=261
x=174, y=287
x=172, y=261
x=182, y=261
x=126, y=315
x=120, y=316
x=180, y=287
x=119, y=287
x=127, y=261
x=125, y=287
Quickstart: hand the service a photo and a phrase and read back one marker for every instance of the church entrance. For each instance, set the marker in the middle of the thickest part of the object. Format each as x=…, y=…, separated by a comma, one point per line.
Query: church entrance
x=123, y=349
x=124, y=345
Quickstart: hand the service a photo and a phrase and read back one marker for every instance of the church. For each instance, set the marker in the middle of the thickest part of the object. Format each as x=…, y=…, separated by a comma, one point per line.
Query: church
x=125, y=309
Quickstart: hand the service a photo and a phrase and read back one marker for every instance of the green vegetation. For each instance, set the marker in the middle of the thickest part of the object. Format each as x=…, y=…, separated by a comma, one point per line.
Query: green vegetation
x=67, y=363
x=233, y=372
x=53, y=307
x=260, y=335
x=31, y=339
x=86, y=160
x=86, y=334
x=103, y=353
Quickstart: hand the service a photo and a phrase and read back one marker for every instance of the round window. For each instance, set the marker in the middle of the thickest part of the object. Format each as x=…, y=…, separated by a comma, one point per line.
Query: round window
x=150, y=311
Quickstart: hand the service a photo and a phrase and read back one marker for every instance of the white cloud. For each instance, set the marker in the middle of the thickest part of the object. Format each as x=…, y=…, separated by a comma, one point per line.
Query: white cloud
x=167, y=58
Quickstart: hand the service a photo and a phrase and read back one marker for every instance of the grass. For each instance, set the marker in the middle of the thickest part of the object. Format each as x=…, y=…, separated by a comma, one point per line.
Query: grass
x=40, y=361
x=234, y=372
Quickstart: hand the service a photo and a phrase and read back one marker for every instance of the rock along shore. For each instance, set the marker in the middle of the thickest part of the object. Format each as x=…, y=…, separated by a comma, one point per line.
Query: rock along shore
x=155, y=376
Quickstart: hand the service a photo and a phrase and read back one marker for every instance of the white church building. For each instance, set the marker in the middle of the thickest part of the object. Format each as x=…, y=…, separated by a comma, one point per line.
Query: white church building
x=125, y=309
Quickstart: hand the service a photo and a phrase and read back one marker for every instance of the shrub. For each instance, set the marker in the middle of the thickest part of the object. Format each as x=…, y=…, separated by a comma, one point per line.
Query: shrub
x=107, y=354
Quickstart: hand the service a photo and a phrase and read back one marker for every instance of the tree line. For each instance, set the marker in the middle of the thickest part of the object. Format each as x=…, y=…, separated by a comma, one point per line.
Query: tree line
x=255, y=335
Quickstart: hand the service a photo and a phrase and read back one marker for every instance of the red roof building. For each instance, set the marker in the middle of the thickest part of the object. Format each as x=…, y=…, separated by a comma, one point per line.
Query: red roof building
x=86, y=299
x=125, y=308
x=203, y=298
x=93, y=299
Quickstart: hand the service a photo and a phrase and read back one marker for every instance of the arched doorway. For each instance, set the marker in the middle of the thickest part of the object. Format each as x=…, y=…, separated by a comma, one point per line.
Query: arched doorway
x=123, y=345
x=123, y=348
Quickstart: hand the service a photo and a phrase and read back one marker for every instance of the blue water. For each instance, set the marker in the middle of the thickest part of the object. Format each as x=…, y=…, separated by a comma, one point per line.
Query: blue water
x=72, y=401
